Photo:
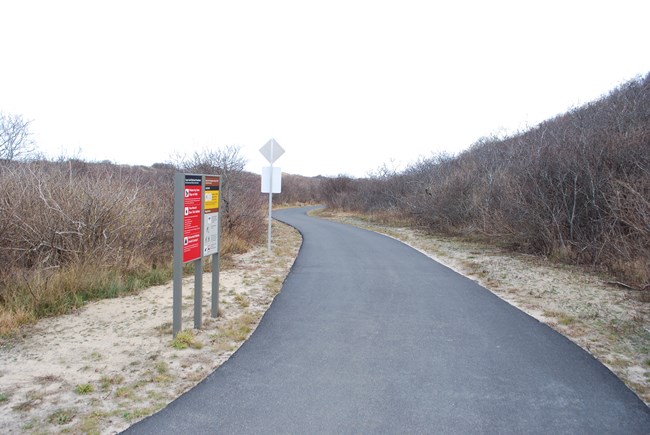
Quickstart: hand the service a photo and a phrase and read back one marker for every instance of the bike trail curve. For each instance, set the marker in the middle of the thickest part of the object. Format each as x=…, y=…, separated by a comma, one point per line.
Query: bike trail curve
x=371, y=336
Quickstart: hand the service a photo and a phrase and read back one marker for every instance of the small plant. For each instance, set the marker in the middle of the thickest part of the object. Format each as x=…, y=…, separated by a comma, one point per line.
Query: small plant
x=562, y=318
x=185, y=339
x=566, y=320
x=162, y=371
x=84, y=389
x=242, y=300
x=239, y=328
x=138, y=413
x=3, y=397
x=124, y=392
x=61, y=416
x=162, y=368
x=107, y=381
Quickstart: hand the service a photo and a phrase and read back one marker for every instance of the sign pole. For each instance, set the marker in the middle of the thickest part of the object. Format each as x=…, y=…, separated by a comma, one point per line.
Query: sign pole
x=270, y=201
x=198, y=267
x=272, y=151
x=179, y=184
x=215, y=263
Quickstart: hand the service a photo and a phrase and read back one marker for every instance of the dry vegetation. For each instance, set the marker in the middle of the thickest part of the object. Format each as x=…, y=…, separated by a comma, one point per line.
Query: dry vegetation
x=114, y=361
x=575, y=188
x=73, y=231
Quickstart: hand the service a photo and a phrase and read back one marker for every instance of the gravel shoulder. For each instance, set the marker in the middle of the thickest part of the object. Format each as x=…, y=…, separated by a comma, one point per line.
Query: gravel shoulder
x=610, y=322
x=113, y=362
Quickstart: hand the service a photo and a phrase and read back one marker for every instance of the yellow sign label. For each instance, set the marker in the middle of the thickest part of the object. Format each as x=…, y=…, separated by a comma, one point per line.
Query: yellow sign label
x=211, y=200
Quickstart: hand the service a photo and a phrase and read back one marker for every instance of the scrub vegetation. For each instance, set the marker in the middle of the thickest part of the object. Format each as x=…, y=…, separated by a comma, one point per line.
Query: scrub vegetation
x=575, y=188
x=73, y=231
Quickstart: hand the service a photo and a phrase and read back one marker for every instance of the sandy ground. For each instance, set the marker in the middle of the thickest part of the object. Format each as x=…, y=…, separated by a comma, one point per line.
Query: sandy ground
x=113, y=362
x=610, y=322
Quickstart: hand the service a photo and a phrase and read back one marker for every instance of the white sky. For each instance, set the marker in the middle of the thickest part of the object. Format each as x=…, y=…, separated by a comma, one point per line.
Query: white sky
x=343, y=86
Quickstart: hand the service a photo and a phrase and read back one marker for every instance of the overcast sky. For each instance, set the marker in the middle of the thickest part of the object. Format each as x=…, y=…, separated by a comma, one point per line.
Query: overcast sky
x=343, y=86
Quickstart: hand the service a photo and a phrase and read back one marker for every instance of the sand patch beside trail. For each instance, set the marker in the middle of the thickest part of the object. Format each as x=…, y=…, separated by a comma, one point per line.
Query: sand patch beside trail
x=111, y=363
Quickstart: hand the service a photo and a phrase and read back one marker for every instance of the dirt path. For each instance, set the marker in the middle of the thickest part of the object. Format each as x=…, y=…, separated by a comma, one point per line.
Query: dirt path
x=113, y=362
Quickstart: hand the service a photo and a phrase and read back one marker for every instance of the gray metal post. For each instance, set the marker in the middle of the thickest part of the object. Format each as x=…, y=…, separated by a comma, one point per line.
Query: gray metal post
x=179, y=184
x=198, y=267
x=270, y=201
x=270, y=212
x=198, y=292
x=215, y=285
x=215, y=264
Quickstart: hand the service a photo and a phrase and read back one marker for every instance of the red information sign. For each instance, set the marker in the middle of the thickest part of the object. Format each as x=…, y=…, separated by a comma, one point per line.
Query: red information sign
x=192, y=218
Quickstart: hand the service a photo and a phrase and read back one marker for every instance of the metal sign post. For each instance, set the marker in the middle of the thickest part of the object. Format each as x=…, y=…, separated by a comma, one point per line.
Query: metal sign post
x=196, y=235
x=212, y=232
x=272, y=151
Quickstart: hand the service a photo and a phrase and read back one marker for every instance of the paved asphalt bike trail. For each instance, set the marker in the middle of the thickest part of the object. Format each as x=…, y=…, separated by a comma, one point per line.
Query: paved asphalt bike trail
x=370, y=336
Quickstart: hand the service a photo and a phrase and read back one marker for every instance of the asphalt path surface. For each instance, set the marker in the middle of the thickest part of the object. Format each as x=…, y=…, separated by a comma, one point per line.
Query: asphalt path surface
x=370, y=336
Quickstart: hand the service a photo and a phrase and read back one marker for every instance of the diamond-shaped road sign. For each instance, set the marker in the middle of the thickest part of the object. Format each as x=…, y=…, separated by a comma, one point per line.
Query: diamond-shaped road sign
x=272, y=150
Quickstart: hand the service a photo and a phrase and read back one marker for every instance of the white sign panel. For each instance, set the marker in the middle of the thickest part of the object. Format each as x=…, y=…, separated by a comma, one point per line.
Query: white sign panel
x=272, y=151
x=211, y=234
x=266, y=180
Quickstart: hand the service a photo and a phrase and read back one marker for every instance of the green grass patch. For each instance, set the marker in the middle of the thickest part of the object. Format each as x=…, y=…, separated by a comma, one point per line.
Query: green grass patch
x=3, y=397
x=162, y=368
x=138, y=413
x=185, y=339
x=61, y=416
x=84, y=389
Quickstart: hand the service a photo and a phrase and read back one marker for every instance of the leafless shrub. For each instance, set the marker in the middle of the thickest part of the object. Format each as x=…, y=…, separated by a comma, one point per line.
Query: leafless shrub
x=53, y=214
x=15, y=139
x=242, y=204
x=71, y=230
x=297, y=189
x=575, y=187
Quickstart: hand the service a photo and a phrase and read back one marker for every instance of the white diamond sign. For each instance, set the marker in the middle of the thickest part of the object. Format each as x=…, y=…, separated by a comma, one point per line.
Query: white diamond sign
x=272, y=150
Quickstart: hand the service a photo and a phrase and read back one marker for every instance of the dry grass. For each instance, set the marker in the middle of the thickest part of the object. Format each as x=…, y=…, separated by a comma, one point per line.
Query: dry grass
x=73, y=232
x=119, y=352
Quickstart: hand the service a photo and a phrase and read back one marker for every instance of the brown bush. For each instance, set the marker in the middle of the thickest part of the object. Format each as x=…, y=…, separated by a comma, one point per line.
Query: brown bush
x=297, y=189
x=242, y=204
x=72, y=230
x=575, y=187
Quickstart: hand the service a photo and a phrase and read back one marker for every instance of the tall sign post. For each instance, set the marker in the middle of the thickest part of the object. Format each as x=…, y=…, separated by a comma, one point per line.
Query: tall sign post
x=271, y=177
x=212, y=233
x=196, y=235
